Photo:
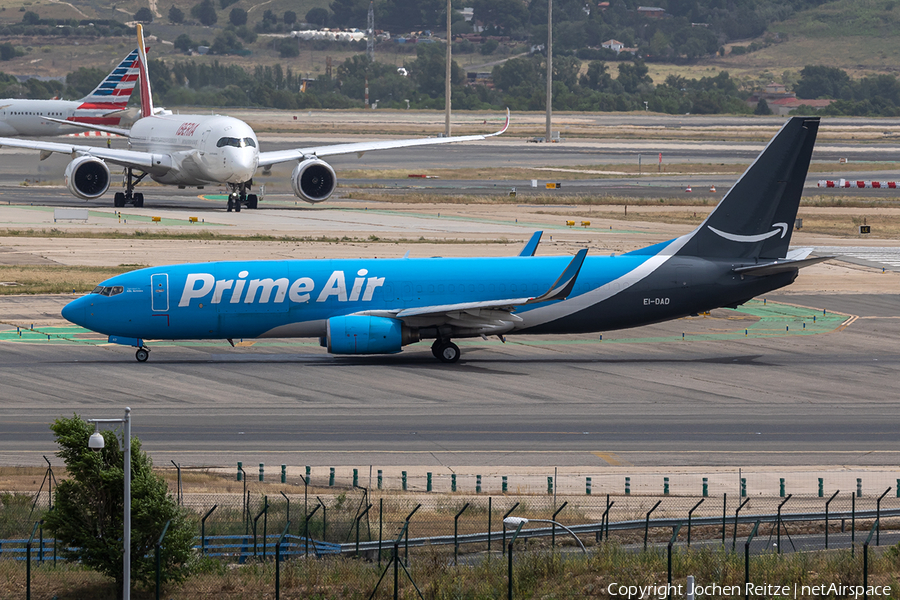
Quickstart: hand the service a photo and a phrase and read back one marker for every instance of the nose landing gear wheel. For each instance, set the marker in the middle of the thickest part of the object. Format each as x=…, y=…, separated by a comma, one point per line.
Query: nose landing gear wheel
x=447, y=352
x=142, y=354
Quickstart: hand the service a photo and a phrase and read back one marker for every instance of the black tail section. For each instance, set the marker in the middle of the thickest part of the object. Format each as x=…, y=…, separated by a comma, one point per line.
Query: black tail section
x=756, y=217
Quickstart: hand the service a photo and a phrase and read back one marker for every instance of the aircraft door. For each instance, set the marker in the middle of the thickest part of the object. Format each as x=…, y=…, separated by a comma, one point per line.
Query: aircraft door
x=159, y=284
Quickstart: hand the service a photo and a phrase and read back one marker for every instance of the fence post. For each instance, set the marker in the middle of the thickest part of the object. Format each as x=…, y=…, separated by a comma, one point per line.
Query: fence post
x=28, y=561
x=358, y=519
x=553, y=531
x=503, y=520
x=779, y=522
x=509, y=587
x=669, y=557
x=306, y=530
x=647, y=523
x=490, y=510
x=878, y=516
x=406, y=529
x=736, y=513
x=875, y=527
x=158, y=547
x=690, y=515
x=724, y=507
x=747, y=561
x=288, y=500
x=203, y=529
x=604, y=520
x=278, y=560
x=456, y=534
x=324, y=519
x=380, y=527
x=826, y=516
x=853, y=522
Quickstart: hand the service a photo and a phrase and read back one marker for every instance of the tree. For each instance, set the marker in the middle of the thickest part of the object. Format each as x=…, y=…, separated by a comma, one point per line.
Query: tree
x=7, y=52
x=290, y=17
x=176, y=15
x=350, y=13
x=87, y=518
x=31, y=18
x=762, y=108
x=81, y=82
x=205, y=12
x=317, y=16
x=287, y=48
x=238, y=16
x=184, y=42
x=144, y=15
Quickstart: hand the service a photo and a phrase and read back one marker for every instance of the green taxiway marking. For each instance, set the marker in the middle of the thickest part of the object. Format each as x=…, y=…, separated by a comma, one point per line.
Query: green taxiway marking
x=774, y=320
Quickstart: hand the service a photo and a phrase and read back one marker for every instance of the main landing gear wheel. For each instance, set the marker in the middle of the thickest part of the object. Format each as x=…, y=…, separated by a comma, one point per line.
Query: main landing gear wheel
x=447, y=352
x=120, y=199
x=230, y=204
x=142, y=354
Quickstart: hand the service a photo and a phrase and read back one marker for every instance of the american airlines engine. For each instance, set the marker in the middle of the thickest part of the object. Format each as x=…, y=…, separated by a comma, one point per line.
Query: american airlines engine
x=87, y=177
x=313, y=180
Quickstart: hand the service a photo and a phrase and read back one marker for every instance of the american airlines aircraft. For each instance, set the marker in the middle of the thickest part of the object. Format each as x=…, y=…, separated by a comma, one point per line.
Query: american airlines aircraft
x=104, y=106
x=200, y=150
x=377, y=306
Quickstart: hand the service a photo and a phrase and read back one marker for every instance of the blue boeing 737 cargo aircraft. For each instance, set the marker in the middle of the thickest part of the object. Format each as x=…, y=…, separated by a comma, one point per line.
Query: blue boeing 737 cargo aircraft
x=377, y=306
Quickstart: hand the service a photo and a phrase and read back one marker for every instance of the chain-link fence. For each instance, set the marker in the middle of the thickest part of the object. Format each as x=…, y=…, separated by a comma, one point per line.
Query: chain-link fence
x=239, y=524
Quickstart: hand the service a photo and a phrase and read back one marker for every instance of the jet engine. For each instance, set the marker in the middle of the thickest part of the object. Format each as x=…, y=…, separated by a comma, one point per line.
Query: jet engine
x=87, y=177
x=313, y=180
x=360, y=334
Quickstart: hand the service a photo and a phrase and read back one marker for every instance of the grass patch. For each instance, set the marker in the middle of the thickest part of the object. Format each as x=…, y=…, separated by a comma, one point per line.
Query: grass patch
x=53, y=279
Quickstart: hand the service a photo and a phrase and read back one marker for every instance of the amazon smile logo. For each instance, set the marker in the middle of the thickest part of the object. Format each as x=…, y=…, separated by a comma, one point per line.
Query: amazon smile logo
x=733, y=237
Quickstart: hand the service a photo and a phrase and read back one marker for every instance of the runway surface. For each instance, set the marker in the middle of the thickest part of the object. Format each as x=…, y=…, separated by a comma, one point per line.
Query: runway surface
x=645, y=397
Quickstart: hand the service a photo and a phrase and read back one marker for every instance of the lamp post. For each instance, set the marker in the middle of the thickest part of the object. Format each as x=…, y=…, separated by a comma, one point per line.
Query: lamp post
x=517, y=521
x=96, y=443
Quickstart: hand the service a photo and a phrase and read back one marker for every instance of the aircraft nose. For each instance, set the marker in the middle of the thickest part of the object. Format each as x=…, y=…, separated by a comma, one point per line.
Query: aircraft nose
x=74, y=311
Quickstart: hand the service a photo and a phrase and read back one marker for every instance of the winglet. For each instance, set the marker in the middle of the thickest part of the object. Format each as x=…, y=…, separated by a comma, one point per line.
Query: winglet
x=532, y=244
x=505, y=126
x=563, y=286
x=146, y=96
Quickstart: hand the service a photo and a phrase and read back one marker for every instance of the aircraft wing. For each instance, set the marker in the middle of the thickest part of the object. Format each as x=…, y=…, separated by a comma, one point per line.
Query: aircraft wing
x=489, y=313
x=780, y=266
x=124, y=158
x=280, y=156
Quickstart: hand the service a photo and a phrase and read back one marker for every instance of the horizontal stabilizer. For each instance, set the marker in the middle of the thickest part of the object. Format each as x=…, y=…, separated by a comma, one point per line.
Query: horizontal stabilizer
x=780, y=266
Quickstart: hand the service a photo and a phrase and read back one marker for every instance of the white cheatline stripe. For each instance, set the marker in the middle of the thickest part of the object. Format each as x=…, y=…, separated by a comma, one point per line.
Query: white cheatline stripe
x=545, y=314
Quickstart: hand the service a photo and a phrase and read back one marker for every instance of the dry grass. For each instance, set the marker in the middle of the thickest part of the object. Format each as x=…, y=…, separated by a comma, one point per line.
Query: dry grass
x=52, y=279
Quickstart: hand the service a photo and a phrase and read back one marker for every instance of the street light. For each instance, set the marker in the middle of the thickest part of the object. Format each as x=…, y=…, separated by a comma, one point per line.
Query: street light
x=518, y=521
x=97, y=443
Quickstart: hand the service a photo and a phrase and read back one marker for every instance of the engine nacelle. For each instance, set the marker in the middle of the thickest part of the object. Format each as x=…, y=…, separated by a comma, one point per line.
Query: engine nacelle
x=87, y=177
x=358, y=334
x=313, y=180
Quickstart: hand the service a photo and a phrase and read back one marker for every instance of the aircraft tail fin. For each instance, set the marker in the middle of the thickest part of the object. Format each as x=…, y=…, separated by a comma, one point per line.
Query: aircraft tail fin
x=756, y=217
x=146, y=96
x=115, y=90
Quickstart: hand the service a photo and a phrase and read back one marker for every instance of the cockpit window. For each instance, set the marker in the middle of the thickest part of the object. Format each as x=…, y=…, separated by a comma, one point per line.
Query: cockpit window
x=109, y=290
x=236, y=142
